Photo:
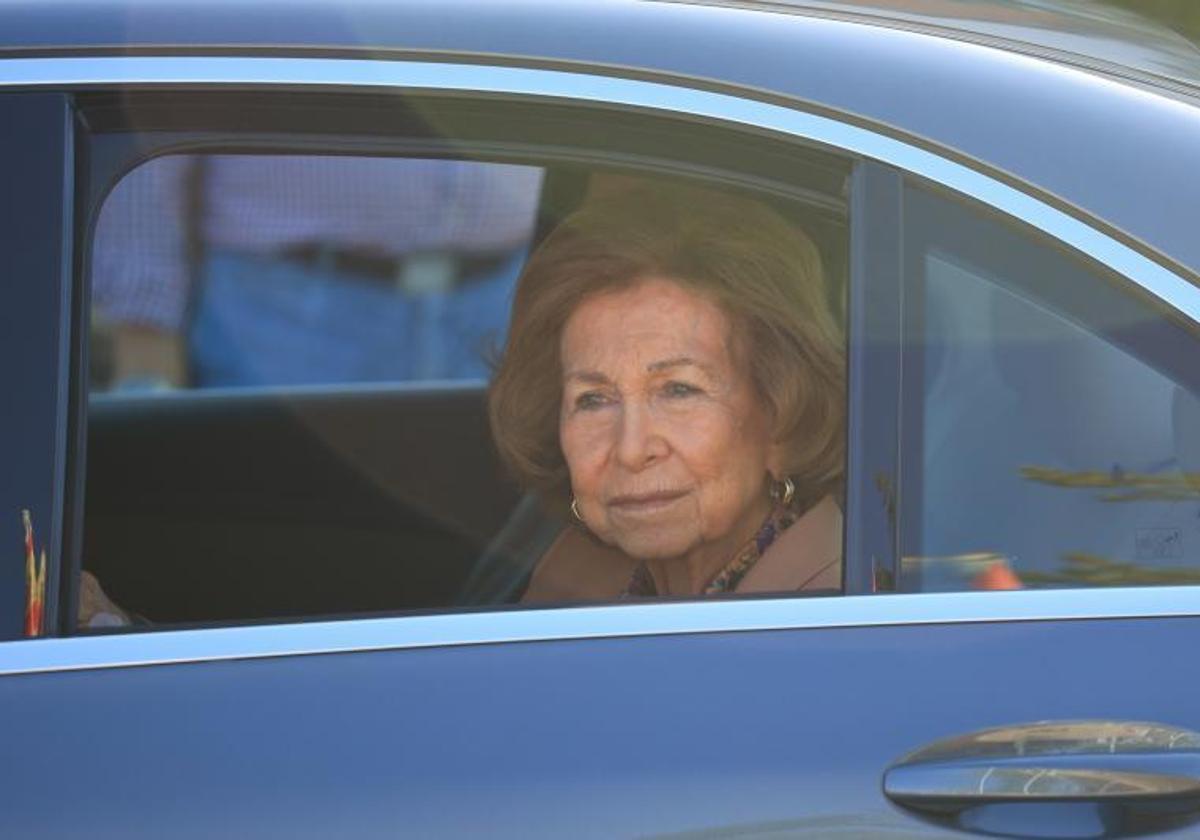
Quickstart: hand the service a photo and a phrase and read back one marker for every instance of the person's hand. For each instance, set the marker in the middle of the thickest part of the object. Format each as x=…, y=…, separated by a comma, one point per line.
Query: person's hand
x=146, y=358
x=95, y=608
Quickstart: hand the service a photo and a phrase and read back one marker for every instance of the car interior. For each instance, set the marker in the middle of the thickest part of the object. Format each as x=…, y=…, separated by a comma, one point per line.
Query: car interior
x=265, y=504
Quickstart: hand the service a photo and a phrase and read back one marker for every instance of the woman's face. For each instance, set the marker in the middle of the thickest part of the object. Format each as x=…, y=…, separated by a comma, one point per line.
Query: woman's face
x=667, y=443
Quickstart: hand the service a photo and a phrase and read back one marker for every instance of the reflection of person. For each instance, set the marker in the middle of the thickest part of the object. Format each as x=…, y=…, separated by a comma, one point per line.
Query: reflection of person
x=312, y=269
x=674, y=379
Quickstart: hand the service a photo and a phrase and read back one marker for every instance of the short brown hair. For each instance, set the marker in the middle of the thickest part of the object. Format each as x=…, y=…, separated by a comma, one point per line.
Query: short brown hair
x=763, y=272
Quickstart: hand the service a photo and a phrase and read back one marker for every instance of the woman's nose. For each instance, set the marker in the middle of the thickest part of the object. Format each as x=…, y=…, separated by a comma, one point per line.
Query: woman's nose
x=639, y=442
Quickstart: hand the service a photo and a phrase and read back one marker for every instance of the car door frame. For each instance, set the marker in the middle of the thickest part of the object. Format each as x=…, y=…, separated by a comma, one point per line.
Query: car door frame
x=35, y=220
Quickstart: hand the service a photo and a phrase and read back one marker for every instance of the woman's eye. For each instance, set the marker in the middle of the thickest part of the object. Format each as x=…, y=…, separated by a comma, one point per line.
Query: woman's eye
x=680, y=389
x=588, y=401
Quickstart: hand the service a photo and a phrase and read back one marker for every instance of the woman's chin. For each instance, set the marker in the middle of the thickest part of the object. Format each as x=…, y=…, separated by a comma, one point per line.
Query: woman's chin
x=653, y=543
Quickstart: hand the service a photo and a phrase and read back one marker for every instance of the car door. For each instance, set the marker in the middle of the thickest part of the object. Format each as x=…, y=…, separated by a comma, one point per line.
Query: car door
x=755, y=717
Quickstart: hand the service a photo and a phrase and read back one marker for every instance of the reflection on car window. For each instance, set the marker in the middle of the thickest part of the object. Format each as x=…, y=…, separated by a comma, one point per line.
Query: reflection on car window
x=1050, y=455
x=665, y=418
x=247, y=270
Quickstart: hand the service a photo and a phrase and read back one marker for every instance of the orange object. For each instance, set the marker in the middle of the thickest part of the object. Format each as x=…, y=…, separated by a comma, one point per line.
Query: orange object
x=996, y=576
x=35, y=583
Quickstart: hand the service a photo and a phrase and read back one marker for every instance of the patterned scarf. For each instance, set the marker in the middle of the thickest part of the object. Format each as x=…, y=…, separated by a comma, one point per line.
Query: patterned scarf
x=641, y=583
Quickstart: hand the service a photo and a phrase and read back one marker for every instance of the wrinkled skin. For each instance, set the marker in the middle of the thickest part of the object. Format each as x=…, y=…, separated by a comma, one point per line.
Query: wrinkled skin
x=669, y=447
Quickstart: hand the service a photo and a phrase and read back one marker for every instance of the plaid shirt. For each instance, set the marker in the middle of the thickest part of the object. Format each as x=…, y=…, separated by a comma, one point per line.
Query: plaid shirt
x=261, y=204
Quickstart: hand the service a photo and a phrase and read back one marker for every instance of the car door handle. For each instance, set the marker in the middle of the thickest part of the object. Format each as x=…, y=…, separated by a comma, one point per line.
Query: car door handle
x=1125, y=777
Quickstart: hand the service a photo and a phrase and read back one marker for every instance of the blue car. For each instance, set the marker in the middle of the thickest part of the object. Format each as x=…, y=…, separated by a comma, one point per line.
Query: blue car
x=258, y=260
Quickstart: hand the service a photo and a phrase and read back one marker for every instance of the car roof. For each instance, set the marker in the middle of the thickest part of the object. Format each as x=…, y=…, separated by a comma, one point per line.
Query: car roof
x=1088, y=32
x=1081, y=32
x=1025, y=115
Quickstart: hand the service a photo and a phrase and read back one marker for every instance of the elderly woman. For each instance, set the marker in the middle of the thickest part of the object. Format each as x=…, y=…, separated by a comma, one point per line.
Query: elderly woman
x=674, y=379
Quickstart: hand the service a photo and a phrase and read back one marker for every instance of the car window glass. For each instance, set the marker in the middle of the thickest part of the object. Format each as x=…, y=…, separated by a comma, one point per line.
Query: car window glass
x=1048, y=449
x=318, y=390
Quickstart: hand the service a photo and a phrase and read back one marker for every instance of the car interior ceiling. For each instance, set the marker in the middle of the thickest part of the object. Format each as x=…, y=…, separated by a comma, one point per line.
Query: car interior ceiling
x=245, y=505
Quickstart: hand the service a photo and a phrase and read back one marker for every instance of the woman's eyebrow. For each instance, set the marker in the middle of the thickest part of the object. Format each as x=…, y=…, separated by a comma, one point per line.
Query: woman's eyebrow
x=591, y=377
x=677, y=361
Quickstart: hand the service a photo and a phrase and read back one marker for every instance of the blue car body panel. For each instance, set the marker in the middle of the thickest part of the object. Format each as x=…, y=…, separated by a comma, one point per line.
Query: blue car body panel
x=769, y=734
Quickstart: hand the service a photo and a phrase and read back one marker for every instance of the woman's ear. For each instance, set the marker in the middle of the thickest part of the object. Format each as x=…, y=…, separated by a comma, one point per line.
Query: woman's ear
x=777, y=462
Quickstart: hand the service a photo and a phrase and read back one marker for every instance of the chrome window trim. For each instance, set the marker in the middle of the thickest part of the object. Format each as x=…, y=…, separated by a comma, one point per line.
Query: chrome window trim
x=590, y=622
x=598, y=621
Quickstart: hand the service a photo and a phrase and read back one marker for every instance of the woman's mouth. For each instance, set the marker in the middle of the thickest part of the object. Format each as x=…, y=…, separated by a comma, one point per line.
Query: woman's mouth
x=642, y=504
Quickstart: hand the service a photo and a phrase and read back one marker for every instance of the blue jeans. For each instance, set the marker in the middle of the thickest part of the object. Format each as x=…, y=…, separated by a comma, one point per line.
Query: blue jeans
x=260, y=321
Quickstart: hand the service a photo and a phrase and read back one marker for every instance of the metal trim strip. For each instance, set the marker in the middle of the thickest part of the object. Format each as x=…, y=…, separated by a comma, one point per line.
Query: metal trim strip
x=589, y=622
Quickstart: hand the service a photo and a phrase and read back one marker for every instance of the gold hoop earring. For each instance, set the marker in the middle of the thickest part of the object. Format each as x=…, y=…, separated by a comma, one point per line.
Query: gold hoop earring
x=789, y=490
x=784, y=491
x=575, y=511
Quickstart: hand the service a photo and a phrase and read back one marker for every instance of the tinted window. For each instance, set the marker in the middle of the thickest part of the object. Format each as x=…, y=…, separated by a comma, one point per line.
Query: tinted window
x=296, y=364
x=1051, y=432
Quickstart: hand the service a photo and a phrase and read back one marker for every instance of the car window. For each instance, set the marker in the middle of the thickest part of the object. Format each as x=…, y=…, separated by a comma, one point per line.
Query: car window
x=1051, y=413
x=318, y=389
